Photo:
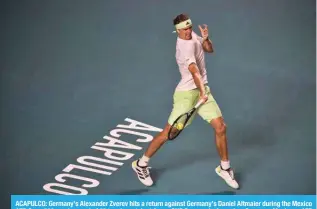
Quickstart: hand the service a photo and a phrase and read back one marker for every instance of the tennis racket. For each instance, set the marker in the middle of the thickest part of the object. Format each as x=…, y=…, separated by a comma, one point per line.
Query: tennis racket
x=180, y=123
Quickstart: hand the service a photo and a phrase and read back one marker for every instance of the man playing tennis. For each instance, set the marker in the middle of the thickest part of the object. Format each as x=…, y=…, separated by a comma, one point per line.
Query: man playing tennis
x=192, y=87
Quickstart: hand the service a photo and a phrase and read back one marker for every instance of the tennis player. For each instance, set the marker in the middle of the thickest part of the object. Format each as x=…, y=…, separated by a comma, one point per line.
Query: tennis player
x=192, y=87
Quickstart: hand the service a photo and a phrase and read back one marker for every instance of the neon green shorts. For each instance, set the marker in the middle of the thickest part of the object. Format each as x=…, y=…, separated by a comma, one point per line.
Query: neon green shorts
x=183, y=101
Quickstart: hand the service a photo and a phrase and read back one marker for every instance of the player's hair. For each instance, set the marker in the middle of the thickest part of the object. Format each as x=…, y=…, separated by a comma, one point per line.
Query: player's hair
x=180, y=18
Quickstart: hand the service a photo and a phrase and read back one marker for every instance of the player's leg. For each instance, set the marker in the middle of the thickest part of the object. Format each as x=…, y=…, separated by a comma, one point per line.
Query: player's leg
x=211, y=113
x=183, y=102
x=140, y=166
x=220, y=128
x=155, y=145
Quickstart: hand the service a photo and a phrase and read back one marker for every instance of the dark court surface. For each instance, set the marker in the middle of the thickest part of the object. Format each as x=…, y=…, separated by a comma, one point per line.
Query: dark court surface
x=72, y=71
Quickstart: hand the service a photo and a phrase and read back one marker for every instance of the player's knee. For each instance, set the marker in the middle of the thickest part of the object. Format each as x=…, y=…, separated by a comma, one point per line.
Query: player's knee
x=163, y=135
x=220, y=128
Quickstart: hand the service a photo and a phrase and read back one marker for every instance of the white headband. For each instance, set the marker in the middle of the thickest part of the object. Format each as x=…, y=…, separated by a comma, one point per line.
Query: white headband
x=183, y=24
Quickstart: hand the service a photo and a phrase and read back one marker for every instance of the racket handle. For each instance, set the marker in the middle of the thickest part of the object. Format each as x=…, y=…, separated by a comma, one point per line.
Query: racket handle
x=198, y=103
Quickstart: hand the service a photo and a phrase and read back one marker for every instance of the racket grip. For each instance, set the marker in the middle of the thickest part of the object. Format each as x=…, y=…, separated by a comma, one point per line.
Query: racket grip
x=199, y=103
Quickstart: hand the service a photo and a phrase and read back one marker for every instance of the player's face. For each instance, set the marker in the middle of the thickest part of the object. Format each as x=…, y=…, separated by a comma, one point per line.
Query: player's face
x=186, y=33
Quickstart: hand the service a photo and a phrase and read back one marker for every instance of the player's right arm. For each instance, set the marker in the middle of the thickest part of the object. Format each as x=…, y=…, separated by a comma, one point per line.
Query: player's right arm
x=198, y=80
x=190, y=62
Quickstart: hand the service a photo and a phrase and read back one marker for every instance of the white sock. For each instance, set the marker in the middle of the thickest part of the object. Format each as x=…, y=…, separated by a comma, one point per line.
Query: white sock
x=144, y=161
x=225, y=164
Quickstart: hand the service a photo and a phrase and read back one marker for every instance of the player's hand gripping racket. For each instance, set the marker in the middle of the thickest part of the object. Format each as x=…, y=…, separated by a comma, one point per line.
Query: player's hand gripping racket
x=180, y=122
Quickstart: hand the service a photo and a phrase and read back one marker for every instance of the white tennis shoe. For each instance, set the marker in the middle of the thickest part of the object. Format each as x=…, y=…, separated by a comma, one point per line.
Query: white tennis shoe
x=143, y=173
x=228, y=176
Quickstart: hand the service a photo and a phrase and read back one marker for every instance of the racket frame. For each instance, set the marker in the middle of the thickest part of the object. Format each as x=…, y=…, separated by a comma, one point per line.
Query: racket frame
x=189, y=115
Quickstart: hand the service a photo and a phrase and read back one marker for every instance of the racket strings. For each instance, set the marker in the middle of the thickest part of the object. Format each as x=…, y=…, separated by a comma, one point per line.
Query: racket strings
x=180, y=122
x=178, y=126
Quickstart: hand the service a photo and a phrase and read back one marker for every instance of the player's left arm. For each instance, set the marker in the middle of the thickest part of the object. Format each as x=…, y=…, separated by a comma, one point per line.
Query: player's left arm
x=207, y=46
x=207, y=43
